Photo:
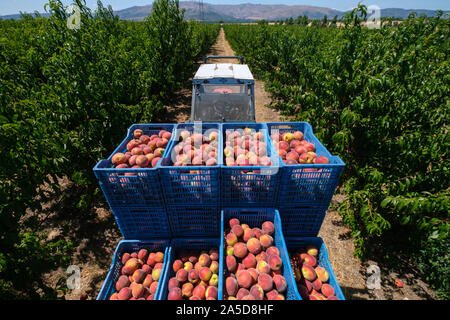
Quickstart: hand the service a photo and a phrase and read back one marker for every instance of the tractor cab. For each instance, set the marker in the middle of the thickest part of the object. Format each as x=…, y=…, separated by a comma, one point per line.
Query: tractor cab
x=223, y=92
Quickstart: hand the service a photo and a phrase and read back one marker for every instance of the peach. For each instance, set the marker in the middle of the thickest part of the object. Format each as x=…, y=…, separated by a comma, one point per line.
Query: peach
x=166, y=135
x=173, y=282
x=310, y=147
x=316, y=284
x=266, y=241
x=254, y=246
x=186, y=290
x=204, y=260
x=308, y=285
x=298, y=135
x=263, y=267
x=258, y=232
x=305, y=158
x=244, y=279
x=125, y=257
x=294, y=143
x=292, y=156
x=124, y=294
x=265, y=281
x=143, y=254
x=271, y=294
x=248, y=234
x=147, y=281
x=322, y=274
x=175, y=294
x=327, y=290
x=132, y=144
x=130, y=266
x=332, y=298
x=155, y=161
x=249, y=261
x=242, y=293
x=268, y=228
x=214, y=281
x=237, y=230
x=114, y=296
x=214, y=255
x=274, y=262
x=257, y=292
x=214, y=266
x=240, y=250
x=195, y=298
x=321, y=160
x=138, y=133
x=199, y=291
x=193, y=276
x=262, y=256
x=300, y=149
x=132, y=161
x=136, y=151
x=122, y=282
x=156, y=274
x=118, y=158
x=230, y=250
x=177, y=265
x=254, y=273
x=248, y=297
x=211, y=293
x=182, y=275
x=188, y=266
x=144, y=139
x=138, y=291
x=273, y=250
x=205, y=274
x=159, y=152
x=231, y=263
x=280, y=283
x=240, y=267
x=153, y=287
x=308, y=272
x=231, y=285
x=139, y=275
x=288, y=137
x=310, y=260
x=231, y=239
x=282, y=153
x=283, y=145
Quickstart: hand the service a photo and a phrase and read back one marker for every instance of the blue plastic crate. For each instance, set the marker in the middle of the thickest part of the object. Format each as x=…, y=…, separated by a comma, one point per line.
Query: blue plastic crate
x=255, y=217
x=108, y=287
x=141, y=189
x=193, y=184
x=244, y=186
x=307, y=184
x=194, y=221
x=302, y=221
x=142, y=222
x=189, y=244
x=295, y=243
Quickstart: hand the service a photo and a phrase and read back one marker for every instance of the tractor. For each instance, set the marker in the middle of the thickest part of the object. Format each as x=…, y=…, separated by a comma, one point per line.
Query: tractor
x=223, y=92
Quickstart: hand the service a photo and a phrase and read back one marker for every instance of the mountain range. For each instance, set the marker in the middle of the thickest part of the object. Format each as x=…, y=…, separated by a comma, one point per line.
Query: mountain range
x=248, y=12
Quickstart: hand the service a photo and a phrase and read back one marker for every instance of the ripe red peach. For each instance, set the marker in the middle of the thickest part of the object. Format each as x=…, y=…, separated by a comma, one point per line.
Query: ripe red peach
x=310, y=260
x=321, y=160
x=308, y=272
x=186, y=290
x=142, y=161
x=182, y=275
x=268, y=228
x=211, y=293
x=175, y=294
x=214, y=266
x=240, y=250
x=177, y=265
x=155, y=161
x=244, y=279
x=118, y=158
x=199, y=291
x=280, y=283
x=122, y=282
x=231, y=263
x=231, y=285
x=242, y=293
x=193, y=276
x=322, y=274
x=327, y=290
x=265, y=281
x=262, y=267
x=257, y=292
x=254, y=246
x=130, y=266
x=231, y=239
x=205, y=274
x=273, y=250
x=139, y=275
x=258, y=232
x=204, y=260
x=254, y=273
x=262, y=256
x=266, y=241
x=249, y=261
x=124, y=294
x=274, y=262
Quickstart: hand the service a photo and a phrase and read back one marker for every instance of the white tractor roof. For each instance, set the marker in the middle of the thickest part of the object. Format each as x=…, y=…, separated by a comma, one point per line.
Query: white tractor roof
x=223, y=70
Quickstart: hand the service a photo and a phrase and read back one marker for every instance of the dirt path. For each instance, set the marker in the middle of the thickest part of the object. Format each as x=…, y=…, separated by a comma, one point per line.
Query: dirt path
x=96, y=234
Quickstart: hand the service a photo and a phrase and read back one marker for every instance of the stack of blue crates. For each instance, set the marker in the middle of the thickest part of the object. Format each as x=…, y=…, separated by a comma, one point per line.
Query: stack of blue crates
x=171, y=209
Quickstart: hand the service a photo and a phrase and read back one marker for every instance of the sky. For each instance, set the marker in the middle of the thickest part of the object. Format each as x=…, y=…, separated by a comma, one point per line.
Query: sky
x=15, y=6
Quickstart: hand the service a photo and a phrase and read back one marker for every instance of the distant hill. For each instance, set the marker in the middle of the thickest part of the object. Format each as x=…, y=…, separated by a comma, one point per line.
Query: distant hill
x=248, y=12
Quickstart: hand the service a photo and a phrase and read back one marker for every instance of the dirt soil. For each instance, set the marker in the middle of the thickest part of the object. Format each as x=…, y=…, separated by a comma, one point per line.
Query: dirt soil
x=95, y=234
